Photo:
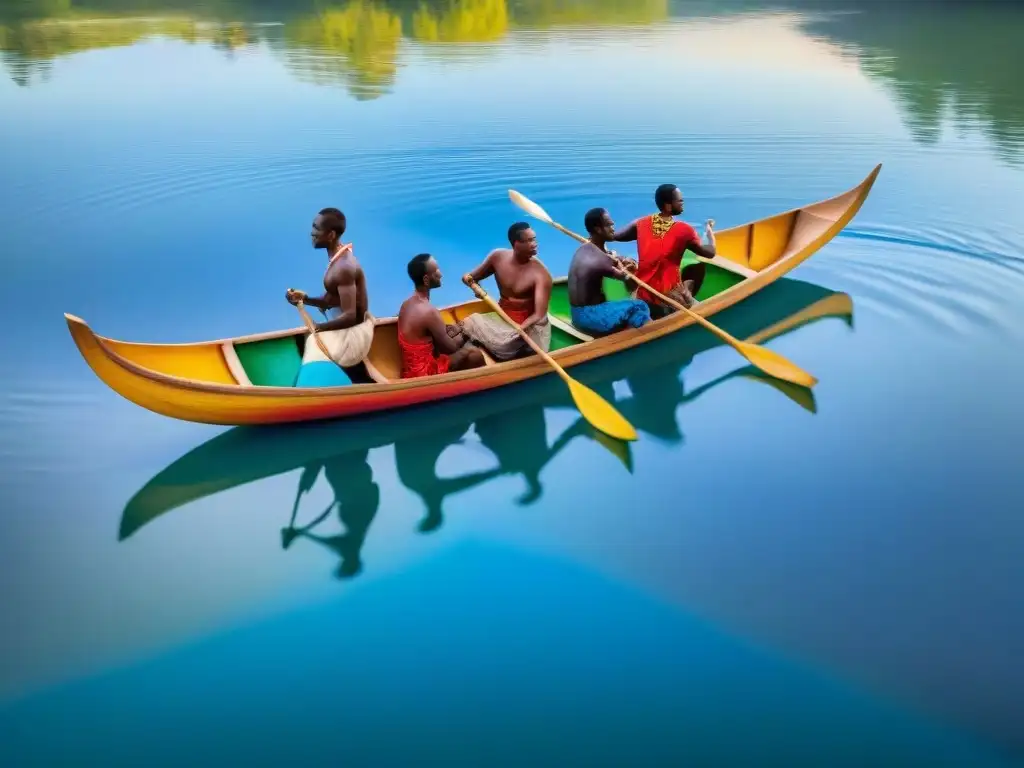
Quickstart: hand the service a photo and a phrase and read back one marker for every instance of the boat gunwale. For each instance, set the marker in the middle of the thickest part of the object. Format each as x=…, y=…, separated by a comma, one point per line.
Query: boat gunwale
x=598, y=348
x=584, y=351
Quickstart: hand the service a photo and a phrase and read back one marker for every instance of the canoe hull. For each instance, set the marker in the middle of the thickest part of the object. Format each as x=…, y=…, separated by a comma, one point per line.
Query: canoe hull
x=219, y=398
x=231, y=405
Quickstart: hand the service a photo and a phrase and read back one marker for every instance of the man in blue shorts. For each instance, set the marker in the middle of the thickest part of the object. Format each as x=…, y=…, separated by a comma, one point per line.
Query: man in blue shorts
x=591, y=311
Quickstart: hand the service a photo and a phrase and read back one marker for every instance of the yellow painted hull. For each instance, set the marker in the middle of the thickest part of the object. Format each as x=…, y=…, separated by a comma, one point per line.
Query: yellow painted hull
x=205, y=382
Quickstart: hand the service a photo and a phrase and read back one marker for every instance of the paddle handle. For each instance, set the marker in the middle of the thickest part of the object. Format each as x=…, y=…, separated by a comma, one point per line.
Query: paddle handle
x=673, y=303
x=482, y=294
x=571, y=234
x=312, y=331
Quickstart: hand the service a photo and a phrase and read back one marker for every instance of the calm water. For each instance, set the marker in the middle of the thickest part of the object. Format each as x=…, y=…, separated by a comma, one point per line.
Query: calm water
x=765, y=578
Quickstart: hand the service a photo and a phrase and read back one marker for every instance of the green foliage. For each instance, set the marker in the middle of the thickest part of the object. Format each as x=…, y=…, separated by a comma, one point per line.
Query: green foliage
x=946, y=63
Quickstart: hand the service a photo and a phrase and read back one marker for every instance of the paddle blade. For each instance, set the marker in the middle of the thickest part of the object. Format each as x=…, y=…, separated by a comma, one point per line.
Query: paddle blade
x=529, y=206
x=802, y=396
x=776, y=365
x=600, y=413
x=617, y=448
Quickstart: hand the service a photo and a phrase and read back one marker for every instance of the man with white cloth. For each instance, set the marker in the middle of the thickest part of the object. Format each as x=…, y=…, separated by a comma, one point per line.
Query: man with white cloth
x=348, y=332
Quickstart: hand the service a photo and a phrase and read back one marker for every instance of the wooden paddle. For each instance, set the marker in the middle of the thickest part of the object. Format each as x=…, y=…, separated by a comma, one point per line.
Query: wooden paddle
x=594, y=408
x=312, y=331
x=767, y=360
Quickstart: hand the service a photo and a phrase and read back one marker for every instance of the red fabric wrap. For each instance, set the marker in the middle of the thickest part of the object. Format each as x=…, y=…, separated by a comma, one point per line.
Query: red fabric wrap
x=418, y=358
x=518, y=309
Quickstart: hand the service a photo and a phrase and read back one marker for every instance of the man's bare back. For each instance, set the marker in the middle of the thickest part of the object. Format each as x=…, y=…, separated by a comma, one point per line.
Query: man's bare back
x=587, y=271
x=345, y=288
x=420, y=323
x=415, y=318
x=419, y=320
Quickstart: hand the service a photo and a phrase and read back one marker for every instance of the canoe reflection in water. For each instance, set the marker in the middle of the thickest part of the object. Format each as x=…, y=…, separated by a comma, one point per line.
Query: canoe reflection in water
x=510, y=425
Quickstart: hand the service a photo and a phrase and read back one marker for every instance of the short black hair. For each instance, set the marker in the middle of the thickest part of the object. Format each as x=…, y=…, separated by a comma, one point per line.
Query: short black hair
x=593, y=217
x=516, y=230
x=663, y=195
x=418, y=268
x=334, y=221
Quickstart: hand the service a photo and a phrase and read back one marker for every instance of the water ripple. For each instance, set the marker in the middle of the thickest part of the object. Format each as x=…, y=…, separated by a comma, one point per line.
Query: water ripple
x=947, y=242
x=928, y=278
x=445, y=177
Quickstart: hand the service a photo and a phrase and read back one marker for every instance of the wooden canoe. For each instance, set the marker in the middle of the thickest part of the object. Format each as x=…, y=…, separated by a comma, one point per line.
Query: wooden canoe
x=249, y=380
x=511, y=427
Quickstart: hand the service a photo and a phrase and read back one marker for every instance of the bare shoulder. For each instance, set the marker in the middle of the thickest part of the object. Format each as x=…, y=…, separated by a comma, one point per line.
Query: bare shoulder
x=351, y=264
x=415, y=314
x=342, y=272
x=540, y=272
x=426, y=316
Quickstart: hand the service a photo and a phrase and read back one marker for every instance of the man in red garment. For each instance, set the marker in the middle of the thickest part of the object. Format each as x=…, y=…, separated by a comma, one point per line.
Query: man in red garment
x=429, y=347
x=661, y=242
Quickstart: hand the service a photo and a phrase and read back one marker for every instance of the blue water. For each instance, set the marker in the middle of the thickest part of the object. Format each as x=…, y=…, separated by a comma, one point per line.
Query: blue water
x=763, y=579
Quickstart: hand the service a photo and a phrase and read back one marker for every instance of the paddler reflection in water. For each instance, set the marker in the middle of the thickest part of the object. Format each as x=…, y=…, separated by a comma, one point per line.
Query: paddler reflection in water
x=525, y=287
x=518, y=440
x=357, y=497
x=416, y=462
x=428, y=346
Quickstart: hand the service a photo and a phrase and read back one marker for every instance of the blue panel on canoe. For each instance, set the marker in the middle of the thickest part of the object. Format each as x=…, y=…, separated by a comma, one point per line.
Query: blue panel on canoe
x=322, y=373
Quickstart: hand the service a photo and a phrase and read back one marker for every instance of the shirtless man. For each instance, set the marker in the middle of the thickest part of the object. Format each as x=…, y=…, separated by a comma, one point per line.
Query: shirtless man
x=591, y=311
x=349, y=334
x=429, y=347
x=525, y=287
x=661, y=242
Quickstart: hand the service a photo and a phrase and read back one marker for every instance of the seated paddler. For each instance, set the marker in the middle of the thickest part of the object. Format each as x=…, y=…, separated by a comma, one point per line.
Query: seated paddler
x=348, y=332
x=591, y=311
x=525, y=287
x=661, y=241
x=428, y=346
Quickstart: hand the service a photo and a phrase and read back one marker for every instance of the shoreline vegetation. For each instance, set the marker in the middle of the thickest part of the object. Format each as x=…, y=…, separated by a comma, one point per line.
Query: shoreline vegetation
x=358, y=44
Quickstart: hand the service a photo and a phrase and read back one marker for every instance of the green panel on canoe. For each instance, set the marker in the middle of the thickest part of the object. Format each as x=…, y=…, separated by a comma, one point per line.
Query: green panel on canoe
x=614, y=290
x=716, y=280
x=271, y=362
x=560, y=339
x=558, y=304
